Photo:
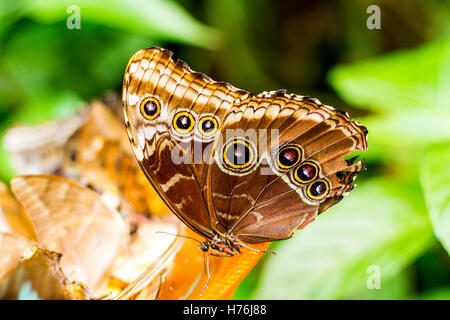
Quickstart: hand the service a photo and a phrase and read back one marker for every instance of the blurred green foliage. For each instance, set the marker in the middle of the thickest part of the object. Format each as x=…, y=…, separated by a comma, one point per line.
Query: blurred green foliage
x=395, y=80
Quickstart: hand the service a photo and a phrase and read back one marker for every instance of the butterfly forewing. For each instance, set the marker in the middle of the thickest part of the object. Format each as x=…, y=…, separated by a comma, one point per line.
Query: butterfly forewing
x=74, y=221
x=185, y=99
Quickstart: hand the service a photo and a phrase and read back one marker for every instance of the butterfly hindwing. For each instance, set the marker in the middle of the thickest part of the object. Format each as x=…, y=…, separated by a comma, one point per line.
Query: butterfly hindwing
x=265, y=202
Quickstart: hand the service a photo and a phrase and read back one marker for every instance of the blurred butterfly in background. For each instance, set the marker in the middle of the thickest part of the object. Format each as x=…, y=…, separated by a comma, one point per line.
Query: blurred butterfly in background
x=92, y=149
x=37, y=275
x=236, y=168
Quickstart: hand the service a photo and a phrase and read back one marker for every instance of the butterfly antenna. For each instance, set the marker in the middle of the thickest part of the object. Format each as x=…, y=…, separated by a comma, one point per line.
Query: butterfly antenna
x=253, y=249
x=179, y=235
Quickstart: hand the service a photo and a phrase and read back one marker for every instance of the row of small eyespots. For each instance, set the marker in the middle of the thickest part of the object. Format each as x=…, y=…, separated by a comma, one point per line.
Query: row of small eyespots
x=183, y=122
x=239, y=154
x=304, y=173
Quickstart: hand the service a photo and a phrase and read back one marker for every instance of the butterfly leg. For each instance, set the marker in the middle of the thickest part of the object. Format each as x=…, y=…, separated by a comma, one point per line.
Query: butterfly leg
x=222, y=255
x=207, y=254
x=253, y=249
x=207, y=271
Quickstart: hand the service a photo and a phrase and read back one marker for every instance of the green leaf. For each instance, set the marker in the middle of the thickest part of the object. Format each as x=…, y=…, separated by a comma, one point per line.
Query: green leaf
x=30, y=71
x=435, y=179
x=401, y=81
x=10, y=12
x=164, y=20
x=408, y=90
x=6, y=169
x=382, y=224
x=48, y=105
x=399, y=287
x=57, y=64
x=403, y=129
x=442, y=293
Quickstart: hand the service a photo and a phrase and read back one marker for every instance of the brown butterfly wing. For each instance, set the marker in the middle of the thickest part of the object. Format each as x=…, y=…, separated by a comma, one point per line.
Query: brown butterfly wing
x=74, y=221
x=152, y=74
x=38, y=275
x=265, y=203
x=11, y=249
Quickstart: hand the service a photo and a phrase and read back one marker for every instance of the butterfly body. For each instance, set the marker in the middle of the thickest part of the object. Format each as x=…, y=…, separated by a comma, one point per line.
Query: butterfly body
x=220, y=246
x=236, y=168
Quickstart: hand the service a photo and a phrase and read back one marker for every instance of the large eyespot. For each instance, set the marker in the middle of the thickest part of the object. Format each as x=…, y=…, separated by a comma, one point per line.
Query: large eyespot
x=183, y=122
x=289, y=156
x=150, y=108
x=208, y=126
x=318, y=189
x=239, y=154
x=306, y=172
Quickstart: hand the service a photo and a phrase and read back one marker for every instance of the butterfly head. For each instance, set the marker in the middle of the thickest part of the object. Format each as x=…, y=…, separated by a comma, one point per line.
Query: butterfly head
x=220, y=246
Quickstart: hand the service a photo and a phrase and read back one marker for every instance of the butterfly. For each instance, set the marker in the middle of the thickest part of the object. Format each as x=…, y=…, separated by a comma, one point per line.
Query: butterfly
x=72, y=220
x=37, y=275
x=43, y=148
x=235, y=167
